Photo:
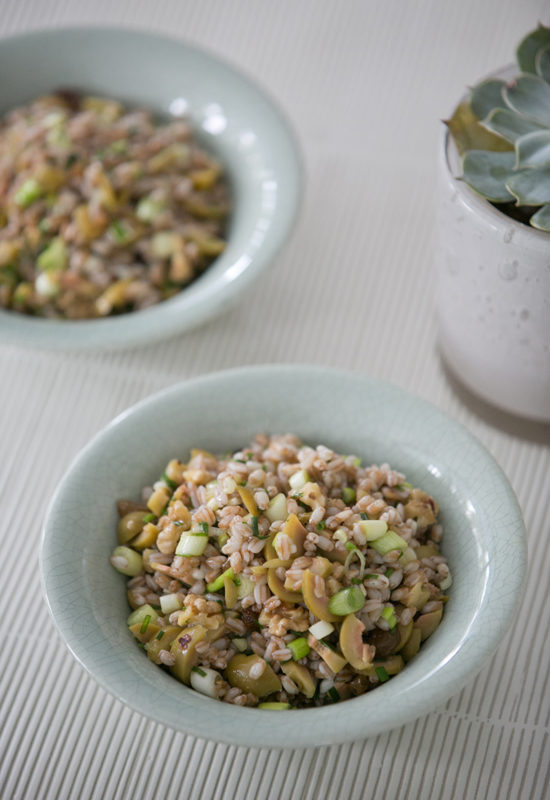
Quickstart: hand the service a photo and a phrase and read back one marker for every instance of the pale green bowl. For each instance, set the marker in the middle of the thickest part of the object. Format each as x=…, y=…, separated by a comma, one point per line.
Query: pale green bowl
x=483, y=541
x=232, y=117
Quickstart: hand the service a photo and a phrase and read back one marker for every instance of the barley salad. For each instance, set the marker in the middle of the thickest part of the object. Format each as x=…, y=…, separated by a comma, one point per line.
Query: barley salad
x=281, y=576
x=103, y=209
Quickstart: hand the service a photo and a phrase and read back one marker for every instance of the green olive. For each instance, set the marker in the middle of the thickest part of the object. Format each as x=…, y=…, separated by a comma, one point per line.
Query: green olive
x=238, y=674
x=130, y=525
x=127, y=561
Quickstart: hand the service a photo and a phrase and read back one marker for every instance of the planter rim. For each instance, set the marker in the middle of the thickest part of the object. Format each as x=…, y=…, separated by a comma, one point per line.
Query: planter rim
x=475, y=202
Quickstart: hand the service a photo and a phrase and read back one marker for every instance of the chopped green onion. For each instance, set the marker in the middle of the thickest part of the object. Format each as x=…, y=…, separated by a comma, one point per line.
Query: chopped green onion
x=356, y=462
x=364, y=515
x=389, y=572
x=205, y=528
x=373, y=528
x=54, y=257
x=264, y=467
x=170, y=603
x=145, y=623
x=356, y=581
x=192, y=544
x=242, y=483
x=71, y=160
x=240, y=644
x=348, y=495
x=321, y=629
x=347, y=601
x=299, y=648
x=216, y=585
x=148, y=209
x=250, y=456
x=389, y=615
x=199, y=671
x=245, y=586
x=350, y=546
x=388, y=542
x=277, y=510
x=298, y=480
x=126, y=561
x=148, y=517
x=372, y=577
x=168, y=481
x=333, y=694
x=239, y=460
x=274, y=706
x=159, y=635
x=355, y=553
x=382, y=674
x=223, y=538
x=321, y=525
x=28, y=193
x=118, y=231
x=255, y=529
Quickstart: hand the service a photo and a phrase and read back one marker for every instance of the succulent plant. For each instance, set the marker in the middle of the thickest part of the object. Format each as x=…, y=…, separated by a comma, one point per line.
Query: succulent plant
x=503, y=135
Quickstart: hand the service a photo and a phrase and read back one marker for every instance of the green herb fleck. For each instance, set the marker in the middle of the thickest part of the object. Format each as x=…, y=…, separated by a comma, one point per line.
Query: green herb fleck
x=333, y=694
x=204, y=527
x=145, y=623
x=148, y=517
x=382, y=674
x=159, y=635
x=364, y=515
x=168, y=481
x=350, y=546
x=199, y=671
x=321, y=525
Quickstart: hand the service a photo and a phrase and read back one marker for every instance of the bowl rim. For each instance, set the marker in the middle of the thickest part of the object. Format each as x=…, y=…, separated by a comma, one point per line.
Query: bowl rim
x=332, y=726
x=178, y=314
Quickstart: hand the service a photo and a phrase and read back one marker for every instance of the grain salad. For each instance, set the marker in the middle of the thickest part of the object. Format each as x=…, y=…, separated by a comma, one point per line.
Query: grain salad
x=281, y=576
x=103, y=209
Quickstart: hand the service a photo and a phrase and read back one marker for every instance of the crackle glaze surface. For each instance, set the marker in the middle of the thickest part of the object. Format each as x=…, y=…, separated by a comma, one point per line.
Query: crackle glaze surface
x=483, y=541
x=493, y=297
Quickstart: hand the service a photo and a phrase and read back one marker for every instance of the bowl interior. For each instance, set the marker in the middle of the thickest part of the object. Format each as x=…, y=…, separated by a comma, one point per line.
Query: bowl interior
x=354, y=415
x=229, y=114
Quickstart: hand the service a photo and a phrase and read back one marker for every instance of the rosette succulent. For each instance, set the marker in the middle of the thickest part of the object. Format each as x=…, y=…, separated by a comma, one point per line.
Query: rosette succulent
x=503, y=135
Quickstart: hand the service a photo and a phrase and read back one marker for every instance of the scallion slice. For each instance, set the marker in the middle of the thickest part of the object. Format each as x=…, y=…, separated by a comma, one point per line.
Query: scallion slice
x=274, y=706
x=321, y=526
x=204, y=527
x=299, y=648
x=298, y=480
x=347, y=601
x=350, y=546
x=192, y=544
x=333, y=694
x=388, y=542
x=216, y=585
x=168, y=481
x=149, y=518
x=145, y=623
x=199, y=671
x=382, y=674
x=389, y=615
x=348, y=495
x=321, y=629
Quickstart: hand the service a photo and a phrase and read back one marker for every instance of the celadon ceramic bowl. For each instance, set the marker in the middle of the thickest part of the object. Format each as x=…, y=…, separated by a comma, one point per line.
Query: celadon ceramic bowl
x=483, y=541
x=231, y=116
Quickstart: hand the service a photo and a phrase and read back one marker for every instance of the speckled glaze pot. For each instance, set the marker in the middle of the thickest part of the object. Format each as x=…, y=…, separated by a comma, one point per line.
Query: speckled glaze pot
x=492, y=296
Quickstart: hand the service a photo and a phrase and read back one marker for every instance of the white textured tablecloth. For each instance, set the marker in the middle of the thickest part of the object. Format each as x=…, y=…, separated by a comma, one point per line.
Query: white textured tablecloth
x=365, y=84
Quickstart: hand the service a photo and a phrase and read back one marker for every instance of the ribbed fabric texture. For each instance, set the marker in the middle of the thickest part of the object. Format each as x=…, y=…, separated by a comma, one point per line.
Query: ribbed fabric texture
x=365, y=84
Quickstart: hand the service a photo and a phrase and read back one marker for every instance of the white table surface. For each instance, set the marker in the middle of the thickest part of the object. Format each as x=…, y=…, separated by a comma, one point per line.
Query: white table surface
x=365, y=84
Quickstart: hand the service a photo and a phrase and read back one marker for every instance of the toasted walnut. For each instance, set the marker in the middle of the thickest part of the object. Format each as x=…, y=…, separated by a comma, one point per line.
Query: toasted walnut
x=168, y=539
x=200, y=611
x=422, y=508
x=313, y=496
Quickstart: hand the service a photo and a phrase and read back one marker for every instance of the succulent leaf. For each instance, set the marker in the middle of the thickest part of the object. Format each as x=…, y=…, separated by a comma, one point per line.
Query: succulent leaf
x=529, y=95
x=528, y=48
x=488, y=173
x=510, y=125
x=530, y=187
x=469, y=134
x=486, y=96
x=542, y=63
x=541, y=219
x=533, y=150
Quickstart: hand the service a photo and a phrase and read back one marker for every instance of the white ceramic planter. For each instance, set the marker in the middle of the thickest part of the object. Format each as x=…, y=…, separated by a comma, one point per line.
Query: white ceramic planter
x=492, y=296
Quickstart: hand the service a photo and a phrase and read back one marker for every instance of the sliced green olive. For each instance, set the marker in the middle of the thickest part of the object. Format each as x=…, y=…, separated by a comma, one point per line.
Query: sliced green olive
x=332, y=659
x=418, y=596
x=317, y=605
x=428, y=623
x=277, y=587
x=301, y=676
x=404, y=635
x=238, y=674
x=412, y=646
x=130, y=525
x=144, y=632
x=183, y=649
x=355, y=650
x=161, y=641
